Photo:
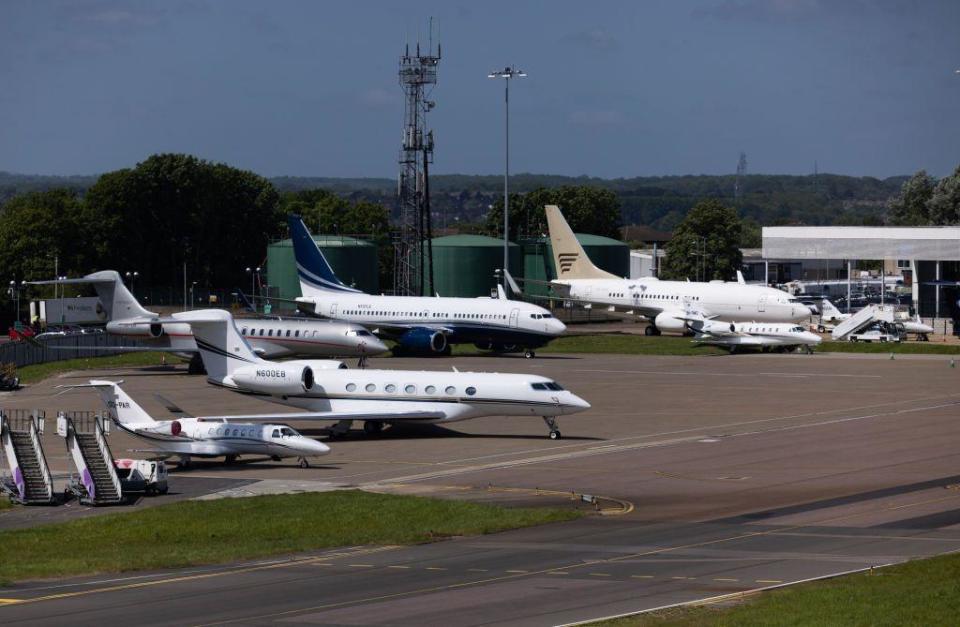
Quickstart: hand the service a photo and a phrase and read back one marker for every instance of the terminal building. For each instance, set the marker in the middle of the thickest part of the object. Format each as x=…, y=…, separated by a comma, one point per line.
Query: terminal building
x=930, y=257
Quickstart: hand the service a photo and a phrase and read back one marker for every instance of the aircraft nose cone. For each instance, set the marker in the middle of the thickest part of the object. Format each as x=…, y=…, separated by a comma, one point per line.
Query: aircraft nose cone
x=318, y=448
x=375, y=346
x=557, y=327
x=574, y=404
x=813, y=337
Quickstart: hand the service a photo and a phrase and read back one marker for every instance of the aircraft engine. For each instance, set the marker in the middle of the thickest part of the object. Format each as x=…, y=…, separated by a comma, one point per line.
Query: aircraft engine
x=282, y=378
x=138, y=329
x=424, y=341
x=665, y=321
x=717, y=328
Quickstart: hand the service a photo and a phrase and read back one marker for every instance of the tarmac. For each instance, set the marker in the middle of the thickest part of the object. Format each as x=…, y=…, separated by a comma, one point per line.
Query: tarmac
x=714, y=476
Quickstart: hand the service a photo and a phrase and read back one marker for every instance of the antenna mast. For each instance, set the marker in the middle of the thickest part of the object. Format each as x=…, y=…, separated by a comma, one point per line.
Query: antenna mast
x=413, y=250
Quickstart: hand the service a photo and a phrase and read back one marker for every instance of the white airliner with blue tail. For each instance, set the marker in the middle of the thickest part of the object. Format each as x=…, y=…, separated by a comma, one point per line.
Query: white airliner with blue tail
x=419, y=324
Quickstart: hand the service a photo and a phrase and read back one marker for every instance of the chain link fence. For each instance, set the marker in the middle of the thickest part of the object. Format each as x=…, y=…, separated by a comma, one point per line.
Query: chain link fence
x=61, y=347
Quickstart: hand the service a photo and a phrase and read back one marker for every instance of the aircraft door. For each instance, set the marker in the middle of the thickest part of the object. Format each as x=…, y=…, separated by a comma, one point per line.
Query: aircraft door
x=514, y=316
x=762, y=304
x=333, y=310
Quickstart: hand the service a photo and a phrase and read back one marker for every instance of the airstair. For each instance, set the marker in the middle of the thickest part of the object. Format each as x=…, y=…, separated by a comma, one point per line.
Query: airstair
x=98, y=483
x=862, y=319
x=30, y=483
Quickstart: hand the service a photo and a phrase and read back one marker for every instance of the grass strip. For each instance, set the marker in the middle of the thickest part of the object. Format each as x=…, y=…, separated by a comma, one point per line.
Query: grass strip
x=38, y=372
x=921, y=592
x=208, y=532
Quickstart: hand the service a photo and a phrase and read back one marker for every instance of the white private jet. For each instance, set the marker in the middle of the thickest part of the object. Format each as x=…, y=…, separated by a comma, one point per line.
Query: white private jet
x=765, y=336
x=269, y=337
x=420, y=324
x=328, y=391
x=205, y=436
x=662, y=302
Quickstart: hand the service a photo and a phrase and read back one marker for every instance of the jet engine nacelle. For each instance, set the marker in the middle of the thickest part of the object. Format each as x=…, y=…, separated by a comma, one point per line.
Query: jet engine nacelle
x=666, y=321
x=138, y=329
x=716, y=328
x=424, y=341
x=283, y=378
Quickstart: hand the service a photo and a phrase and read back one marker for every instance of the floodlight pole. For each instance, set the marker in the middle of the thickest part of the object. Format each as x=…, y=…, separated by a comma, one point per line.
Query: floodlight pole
x=506, y=73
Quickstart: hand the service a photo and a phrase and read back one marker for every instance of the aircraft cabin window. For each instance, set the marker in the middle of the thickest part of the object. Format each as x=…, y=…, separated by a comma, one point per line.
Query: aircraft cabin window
x=297, y=333
x=371, y=387
x=471, y=391
x=235, y=431
x=261, y=332
x=430, y=389
x=288, y=332
x=244, y=332
x=276, y=433
x=410, y=389
x=390, y=388
x=451, y=390
x=351, y=387
x=270, y=333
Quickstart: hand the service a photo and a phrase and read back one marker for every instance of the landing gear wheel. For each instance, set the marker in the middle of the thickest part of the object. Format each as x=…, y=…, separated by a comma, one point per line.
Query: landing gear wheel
x=196, y=365
x=230, y=459
x=372, y=427
x=529, y=354
x=650, y=330
x=304, y=463
x=551, y=422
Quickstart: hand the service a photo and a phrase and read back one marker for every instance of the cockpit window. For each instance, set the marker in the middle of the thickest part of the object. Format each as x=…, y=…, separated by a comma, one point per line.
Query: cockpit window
x=276, y=433
x=554, y=386
x=287, y=431
x=797, y=329
x=539, y=386
x=546, y=316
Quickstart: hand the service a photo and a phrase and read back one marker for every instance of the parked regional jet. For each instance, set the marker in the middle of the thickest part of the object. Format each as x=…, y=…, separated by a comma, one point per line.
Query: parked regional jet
x=328, y=391
x=205, y=436
x=776, y=336
x=268, y=337
x=420, y=324
x=662, y=302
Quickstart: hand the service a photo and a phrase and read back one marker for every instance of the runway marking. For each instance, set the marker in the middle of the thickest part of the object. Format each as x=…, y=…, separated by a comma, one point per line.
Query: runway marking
x=768, y=581
x=791, y=375
x=596, y=574
x=724, y=579
x=558, y=572
x=478, y=570
x=522, y=572
x=360, y=565
x=683, y=577
x=438, y=568
x=641, y=576
x=210, y=574
x=10, y=601
x=399, y=567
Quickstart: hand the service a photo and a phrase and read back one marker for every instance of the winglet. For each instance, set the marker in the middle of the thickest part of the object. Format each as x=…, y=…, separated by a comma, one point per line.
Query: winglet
x=740, y=278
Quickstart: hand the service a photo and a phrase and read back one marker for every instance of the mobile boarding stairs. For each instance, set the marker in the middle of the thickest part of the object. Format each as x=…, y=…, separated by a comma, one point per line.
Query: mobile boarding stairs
x=29, y=482
x=97, y=482
x=863, y=319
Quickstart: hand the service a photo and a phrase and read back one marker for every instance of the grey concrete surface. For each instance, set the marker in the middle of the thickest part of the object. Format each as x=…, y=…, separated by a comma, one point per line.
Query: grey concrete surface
x=741, y=472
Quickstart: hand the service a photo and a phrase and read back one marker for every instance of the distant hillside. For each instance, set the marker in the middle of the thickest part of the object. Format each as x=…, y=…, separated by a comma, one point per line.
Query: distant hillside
x=659, y=201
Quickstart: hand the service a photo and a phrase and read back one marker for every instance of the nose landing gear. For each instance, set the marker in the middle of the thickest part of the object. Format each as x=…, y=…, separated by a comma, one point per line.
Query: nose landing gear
x=529, y=354
x=551, y=422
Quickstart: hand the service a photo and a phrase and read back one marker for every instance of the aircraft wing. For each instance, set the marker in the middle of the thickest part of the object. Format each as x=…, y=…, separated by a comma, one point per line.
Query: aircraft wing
x=331, y=415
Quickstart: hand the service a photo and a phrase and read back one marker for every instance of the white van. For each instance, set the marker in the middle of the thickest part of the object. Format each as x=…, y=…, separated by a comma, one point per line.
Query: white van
x=142, y=475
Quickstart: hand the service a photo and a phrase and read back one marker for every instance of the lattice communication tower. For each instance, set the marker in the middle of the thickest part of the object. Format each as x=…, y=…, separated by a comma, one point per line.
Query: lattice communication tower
x=413, y=250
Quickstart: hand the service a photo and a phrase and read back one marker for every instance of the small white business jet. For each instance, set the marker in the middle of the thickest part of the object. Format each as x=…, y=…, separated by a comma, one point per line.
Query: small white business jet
x=777, y=336
x=662, y=302
x=205, y=436
x=328, y=391
x=269, y=337
x=420, y=324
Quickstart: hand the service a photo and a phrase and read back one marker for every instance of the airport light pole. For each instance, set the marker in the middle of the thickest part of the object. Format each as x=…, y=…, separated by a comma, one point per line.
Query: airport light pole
x=14, y=291
x=132, y=280
x=506, y=73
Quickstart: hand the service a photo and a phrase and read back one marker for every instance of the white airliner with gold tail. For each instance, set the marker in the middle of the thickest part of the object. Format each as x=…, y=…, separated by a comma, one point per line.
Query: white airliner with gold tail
x=662, y=302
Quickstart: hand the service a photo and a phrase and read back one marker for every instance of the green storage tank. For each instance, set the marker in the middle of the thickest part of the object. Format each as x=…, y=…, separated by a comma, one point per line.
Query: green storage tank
x=605, y=253
x=464, y=265
x=354, y=261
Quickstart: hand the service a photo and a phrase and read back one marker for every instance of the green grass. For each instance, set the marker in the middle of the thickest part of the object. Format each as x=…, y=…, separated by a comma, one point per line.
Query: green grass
x=39, y=372
x=206, y=532
x=922, y=592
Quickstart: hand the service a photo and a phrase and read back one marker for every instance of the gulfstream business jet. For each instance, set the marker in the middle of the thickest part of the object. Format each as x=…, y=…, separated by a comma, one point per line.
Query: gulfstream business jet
x=205, y=436
x=420, y=324
x=776, y=336
x=269, y=337
x=662, y=302
x=328, y=391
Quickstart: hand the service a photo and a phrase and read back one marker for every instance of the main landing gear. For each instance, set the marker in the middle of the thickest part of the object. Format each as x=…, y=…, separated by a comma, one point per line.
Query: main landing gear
x=372, y=427
x=651, y=330
x=552, y=425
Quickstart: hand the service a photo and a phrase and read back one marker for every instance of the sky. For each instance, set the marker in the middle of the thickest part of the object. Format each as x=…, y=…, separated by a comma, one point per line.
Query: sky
x=614, y=89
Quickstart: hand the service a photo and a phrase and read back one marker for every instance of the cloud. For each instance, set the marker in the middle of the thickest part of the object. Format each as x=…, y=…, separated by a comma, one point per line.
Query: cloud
x=593, y=38
x=771, y=11
x=597, y=118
